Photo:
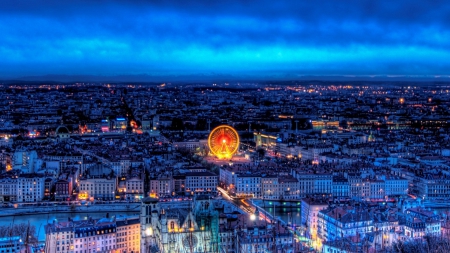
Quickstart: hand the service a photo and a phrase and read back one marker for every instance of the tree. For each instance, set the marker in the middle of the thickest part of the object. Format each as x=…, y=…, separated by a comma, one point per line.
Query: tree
x=22, y=230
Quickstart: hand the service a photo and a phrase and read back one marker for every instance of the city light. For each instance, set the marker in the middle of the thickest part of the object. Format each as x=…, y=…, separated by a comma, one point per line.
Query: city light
x=223, y=141
x=149, y=231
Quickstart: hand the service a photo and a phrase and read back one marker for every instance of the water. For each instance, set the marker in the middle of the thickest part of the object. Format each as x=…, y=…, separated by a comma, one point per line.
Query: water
x=290, y=215
x=40, y=220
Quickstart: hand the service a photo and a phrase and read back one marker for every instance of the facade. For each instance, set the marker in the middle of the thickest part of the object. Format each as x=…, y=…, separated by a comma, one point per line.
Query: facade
x=309, y=218
x=270, y=187
x=22, y=187
x=179, y=182
x=248, y=186
x=63, y=189
x=31, y=187
x=161, y=186
x=341, y=187
x=257, y=237
x=227, y=176
x=288, y=187
x=396, y=186
x=11, y=244
x=134, y=188
x=201, y=182
x=99, y=235
x=9, y=188
x=421, y=222
x=313, y=183
x=99, y=187
x=26, y=161
x=186, y=228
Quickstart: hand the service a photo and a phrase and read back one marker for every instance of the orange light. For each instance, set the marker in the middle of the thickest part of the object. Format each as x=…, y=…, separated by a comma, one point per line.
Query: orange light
x=223, y=141
x=83, y=196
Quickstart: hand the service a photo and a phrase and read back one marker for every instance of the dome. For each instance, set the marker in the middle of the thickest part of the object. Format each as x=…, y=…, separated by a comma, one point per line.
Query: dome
x=62, y=130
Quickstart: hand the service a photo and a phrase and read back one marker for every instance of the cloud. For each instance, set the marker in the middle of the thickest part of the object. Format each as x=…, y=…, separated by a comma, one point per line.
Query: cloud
x=128, y=37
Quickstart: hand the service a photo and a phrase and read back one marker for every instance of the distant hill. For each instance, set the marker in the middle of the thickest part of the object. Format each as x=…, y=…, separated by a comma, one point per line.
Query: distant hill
x=225, y=78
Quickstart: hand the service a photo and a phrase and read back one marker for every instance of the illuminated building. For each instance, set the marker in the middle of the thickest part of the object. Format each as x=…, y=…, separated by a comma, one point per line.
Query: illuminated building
x=83, y=196
x=248, y=185
x=63, y=189
x=31, y=187
x=335, y=223
x=324, y=124
x=223, y=142
x=93, y=235
x=99, y=187
x=421, y=222
x=6, y=141
x=161, y=186
x=25, y=161
x=62, y=133
x=313, y=183
x=134, y=188
x=120, y=124
x=11, y=244
x=310, y=209
x=179, y=227
x=8, y=188
x=99, y=181
x=201, y=182
x=105, y=125
x=256, y=235
x=341, y=187
x=265, y=140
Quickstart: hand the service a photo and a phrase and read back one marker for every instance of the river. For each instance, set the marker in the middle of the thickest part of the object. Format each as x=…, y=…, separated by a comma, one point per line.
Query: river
x=40, y=220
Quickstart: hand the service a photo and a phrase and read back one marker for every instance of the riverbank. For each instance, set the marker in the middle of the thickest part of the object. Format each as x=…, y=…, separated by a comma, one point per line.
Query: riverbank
x=98, y=208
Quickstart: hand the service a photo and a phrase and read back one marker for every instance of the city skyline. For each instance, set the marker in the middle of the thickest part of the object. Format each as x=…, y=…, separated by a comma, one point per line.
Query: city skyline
x=225, y=40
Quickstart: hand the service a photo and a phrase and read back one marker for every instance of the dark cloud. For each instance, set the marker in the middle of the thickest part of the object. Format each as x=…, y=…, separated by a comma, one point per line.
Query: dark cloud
x=126, y=37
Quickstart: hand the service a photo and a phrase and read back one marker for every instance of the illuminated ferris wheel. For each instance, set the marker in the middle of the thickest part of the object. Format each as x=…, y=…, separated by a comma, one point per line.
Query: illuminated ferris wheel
x=223, y=141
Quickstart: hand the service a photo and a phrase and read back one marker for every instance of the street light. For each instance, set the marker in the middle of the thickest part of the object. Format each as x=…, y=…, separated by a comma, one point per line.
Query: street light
x=149, y=231
x=252, y=217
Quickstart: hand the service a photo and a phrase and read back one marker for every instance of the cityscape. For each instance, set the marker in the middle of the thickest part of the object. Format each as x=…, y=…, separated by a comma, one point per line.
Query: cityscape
x=287, y=167
x=224, y=127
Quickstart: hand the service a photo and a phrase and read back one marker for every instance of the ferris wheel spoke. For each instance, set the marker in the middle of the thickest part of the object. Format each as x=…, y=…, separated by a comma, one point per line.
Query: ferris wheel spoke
x=223, y=141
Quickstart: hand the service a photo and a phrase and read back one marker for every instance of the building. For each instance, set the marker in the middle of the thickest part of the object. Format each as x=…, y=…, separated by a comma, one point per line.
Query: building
x=63, y=189
x=421, y=222
x=120, y=124
x=31, y=187
x=9, y=187
x=11, y=244
x=343, y=221
x=341, y=187
x=183, y=227
x=310, y=208
x=270, y=187
x=161, y=186
x=201, y=182
x=134, y=188
x=94, y=235
x=396, y=186
x=99, y=187
x=248, y=185
x=25, y=161
x=313, y=183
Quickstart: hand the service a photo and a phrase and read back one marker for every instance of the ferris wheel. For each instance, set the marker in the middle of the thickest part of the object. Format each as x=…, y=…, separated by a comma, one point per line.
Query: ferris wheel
x=223, y=141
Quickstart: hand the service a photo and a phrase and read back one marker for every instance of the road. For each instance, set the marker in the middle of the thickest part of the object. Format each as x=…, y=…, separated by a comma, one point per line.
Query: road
x=250, y=207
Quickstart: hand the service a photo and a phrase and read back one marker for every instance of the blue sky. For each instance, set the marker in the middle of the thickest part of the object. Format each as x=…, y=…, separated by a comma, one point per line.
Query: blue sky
x=258, y=38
